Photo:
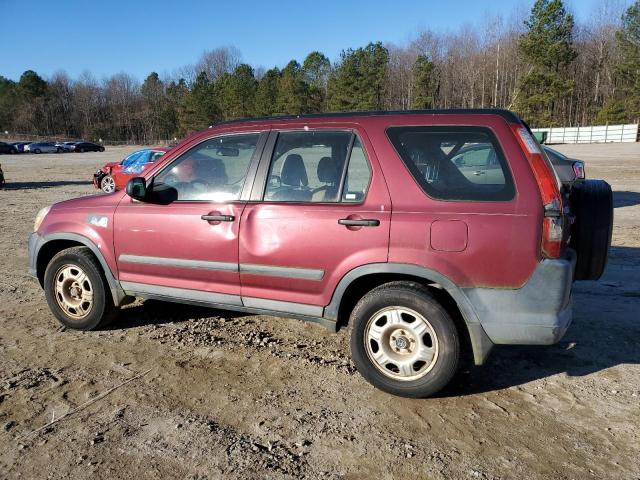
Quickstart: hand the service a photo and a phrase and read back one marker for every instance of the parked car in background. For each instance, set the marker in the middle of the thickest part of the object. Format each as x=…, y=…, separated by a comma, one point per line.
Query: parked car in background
x=7, y=148
x=115, y=175
x=67, y=146
x=20, y=146
x=372, y=220
x=568, y=169
x=42, y=147
x=1, y=178
x=81, y=147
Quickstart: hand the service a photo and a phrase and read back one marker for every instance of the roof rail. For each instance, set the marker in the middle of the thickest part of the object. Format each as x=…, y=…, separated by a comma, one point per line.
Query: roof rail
x=506, y=114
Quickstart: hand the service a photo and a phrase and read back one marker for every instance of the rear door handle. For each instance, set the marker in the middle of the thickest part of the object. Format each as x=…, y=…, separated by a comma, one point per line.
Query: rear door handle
x=366, y=222
x=218, y=218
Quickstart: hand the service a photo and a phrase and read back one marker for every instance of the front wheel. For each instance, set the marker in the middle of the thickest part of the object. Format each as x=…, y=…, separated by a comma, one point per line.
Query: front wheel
x=76, y=290
x=101, y=149
x=37, y=150
x=108, y=184
x=403, y=341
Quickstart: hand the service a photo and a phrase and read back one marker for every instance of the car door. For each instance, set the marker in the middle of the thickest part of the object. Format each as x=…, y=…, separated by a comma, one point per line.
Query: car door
x=183, y=242
x=319, y=208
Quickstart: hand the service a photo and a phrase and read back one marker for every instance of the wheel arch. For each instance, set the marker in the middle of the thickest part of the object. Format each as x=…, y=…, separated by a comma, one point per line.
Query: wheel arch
x=54, y=243
x=362, y=279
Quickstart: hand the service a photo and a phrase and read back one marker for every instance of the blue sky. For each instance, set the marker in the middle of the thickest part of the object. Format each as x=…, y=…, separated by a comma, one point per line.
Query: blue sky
x=137, y=37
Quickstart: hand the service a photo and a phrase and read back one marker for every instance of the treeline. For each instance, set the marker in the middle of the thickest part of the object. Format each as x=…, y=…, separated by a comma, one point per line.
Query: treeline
x=545, y=67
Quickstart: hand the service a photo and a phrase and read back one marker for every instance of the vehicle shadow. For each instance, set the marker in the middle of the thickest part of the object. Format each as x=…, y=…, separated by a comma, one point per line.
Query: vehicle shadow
x=38, y=185
x=625, y=199
x=603, y=334
x=155, y=312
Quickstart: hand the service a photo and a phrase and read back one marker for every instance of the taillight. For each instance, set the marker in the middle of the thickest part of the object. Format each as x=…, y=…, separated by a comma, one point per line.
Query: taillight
x=578, y=169
x=553, y=221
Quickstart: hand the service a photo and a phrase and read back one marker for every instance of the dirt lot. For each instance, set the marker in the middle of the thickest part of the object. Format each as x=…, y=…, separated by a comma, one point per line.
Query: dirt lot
x=230, y=396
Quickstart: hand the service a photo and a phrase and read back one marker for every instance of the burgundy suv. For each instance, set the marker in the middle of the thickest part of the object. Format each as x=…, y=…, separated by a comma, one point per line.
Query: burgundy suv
x=430, y=234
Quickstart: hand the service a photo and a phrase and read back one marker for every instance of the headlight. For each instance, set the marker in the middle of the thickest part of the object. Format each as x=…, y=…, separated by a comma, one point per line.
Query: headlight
x=40, y=217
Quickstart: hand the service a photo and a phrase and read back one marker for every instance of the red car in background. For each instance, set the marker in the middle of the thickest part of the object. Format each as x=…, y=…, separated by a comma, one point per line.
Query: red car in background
x=115, y=175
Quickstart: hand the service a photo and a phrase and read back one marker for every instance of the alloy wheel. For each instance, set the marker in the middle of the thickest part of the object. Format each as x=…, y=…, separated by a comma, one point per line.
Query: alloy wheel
x=108, y=185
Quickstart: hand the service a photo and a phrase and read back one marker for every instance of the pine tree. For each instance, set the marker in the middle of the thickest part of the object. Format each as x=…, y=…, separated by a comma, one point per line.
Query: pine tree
x=201, y=107
x=358, y=81
x=237, y=92
x=548, y=49
x=425, y=84
x=267, y=93
x=292, y=91
x=625, y=105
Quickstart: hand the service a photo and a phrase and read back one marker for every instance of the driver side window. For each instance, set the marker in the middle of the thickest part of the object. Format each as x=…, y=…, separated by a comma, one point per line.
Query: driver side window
x=214, y=170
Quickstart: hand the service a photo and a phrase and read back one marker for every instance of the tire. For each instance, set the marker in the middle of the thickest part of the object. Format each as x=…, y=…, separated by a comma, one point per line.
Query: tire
x=81, y=150
x=101, y=149
x=389, y=313
x=108, y=184
x=58, y=150
x=37, y=150
x=59, y=285
x=591, y=202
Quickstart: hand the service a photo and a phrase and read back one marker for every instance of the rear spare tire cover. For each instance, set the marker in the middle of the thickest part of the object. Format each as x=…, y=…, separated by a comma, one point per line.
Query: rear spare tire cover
x=592, y=204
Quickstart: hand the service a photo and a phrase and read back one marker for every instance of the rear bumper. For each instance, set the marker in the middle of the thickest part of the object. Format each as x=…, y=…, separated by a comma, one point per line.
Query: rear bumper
x=539, y=313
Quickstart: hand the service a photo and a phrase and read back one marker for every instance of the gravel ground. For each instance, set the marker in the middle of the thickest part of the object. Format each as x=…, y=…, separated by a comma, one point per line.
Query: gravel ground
x=233, y=396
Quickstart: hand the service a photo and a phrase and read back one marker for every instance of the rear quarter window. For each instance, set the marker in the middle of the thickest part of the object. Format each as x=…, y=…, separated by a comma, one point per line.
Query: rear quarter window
x=455, y=163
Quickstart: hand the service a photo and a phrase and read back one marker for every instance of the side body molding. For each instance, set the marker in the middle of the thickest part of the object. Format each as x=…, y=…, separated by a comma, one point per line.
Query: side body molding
x=480, y=342
x=36, y=242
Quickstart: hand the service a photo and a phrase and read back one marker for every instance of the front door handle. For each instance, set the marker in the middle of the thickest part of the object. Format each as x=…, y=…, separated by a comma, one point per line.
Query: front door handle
x=365, y=222
x=478, y=172
x=218, y=218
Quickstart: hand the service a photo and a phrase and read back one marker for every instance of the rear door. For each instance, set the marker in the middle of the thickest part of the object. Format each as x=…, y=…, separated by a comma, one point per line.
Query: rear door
x=319, y=208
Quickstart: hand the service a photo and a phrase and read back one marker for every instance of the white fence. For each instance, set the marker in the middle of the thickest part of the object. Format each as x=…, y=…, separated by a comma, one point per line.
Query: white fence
x=592, y=134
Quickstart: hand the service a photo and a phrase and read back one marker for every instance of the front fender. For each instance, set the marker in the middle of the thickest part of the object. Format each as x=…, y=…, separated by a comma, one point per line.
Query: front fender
x=37, y=242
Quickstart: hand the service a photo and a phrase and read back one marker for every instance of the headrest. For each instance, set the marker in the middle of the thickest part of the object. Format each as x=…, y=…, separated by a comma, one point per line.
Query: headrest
x=293, y=172
x=328, y=170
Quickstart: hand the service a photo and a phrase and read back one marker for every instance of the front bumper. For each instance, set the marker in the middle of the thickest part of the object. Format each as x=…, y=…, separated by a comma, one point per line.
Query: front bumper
x=35, y=242
x=539, y=313
x=97, y=178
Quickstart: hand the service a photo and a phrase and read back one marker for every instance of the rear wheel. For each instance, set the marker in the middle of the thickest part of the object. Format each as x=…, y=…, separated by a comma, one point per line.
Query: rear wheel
x=76, y=290
x=403, y=341
x=37, y=150
x=108, y=184
x=592, y=203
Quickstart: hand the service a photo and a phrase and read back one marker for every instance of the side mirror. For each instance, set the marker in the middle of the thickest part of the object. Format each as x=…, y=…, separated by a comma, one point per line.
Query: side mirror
x=137, y=188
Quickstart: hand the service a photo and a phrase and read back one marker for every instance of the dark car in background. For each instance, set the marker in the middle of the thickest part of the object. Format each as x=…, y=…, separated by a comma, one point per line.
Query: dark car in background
x=81, y=147
x=7, y=148
x=568, y=169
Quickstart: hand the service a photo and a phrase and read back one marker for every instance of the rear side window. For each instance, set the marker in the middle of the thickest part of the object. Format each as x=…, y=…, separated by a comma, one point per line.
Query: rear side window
x=455, y=163
x=310, y=167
